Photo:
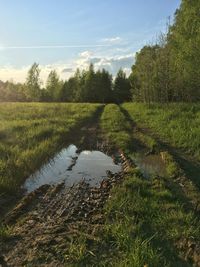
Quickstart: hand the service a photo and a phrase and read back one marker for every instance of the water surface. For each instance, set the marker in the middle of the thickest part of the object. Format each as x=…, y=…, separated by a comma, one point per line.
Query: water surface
x=72, y=167
x=150, y=165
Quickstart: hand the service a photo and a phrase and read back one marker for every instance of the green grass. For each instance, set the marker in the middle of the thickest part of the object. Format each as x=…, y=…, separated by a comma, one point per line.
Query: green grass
x=116, y=128
x=4, y=232
x=31, y=133
x=176, y=123
x=146, y=220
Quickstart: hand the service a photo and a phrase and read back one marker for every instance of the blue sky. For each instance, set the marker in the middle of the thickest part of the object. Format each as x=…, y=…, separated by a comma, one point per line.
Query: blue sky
x=64, y=35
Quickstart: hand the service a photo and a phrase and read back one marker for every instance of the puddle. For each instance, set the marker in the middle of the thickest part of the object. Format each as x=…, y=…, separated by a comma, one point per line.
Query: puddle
x=71, y=167
x=150, y=165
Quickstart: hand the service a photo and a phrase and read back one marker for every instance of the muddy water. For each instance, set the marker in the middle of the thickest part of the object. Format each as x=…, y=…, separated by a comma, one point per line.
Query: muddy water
x=72, y=167
x=150, y=165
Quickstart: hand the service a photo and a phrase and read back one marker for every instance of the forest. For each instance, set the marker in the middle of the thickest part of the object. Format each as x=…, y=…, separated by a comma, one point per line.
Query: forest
x=165, y=71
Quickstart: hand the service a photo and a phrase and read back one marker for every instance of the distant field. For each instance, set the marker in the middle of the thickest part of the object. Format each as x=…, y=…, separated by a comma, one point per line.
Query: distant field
x=177, y=124
x=30, y=133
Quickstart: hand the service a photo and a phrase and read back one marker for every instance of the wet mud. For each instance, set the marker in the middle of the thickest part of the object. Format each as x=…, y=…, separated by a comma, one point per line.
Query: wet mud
x=48, y=219
x=71, y=166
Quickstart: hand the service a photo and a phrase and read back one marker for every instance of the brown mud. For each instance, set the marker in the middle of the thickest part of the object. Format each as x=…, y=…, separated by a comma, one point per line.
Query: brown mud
x=46, y=222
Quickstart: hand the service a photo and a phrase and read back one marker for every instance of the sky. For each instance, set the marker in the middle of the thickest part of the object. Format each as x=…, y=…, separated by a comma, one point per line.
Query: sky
x=65, y=34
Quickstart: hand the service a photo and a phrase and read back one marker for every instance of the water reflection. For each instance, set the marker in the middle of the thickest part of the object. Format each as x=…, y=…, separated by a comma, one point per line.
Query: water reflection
x=71, y=167
x=150, y=165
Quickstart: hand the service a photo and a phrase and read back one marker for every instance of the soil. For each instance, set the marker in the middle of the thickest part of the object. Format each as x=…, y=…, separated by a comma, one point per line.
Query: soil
x=46, y=222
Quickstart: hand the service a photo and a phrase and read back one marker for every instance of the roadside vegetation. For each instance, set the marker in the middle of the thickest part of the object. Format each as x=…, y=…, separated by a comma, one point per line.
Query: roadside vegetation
x=148, y=222
x=31, y=134
x=115, y=127
x=177, y=124
x=4, y=233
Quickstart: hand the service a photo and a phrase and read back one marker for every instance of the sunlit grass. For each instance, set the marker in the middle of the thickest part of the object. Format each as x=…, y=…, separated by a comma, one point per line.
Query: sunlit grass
x=145, y=219
x=115, y=127
x=4, y=232
x=177, y=123
x=31, y=133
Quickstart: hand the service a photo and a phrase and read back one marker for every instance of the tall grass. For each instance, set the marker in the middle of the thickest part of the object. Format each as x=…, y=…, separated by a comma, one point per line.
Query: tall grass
x=146, y=220
x=115, y=127
x=176, y=123
x=30, y=133
x=145, y=224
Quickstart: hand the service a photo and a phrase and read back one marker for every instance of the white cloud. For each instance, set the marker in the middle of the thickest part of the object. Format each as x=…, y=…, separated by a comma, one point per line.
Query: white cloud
x=111, y=63
x=86, y=54
x=19, y=74
x=112, y=40
x=65, y=70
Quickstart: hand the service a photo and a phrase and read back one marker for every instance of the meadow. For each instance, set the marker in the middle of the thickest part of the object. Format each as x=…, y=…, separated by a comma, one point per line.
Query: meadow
x=31, y=134
x=177, y=123
x=148, y=222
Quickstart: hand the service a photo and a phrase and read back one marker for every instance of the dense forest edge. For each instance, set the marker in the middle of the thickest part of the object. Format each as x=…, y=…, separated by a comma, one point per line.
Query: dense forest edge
x=166, y=71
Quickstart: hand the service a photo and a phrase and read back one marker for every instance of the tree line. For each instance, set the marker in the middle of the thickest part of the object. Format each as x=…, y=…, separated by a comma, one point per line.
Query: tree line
x=84, y=86
x=169, y=70
x=166, y=71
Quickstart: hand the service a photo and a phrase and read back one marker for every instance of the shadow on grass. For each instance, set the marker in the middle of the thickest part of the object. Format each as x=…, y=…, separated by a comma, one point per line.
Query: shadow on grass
x=190, y=167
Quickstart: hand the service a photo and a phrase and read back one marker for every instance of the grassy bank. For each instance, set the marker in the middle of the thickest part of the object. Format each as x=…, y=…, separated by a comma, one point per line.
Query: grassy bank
x=147, y=221
x=31, y=133
x=116, y=128
x=177, y=124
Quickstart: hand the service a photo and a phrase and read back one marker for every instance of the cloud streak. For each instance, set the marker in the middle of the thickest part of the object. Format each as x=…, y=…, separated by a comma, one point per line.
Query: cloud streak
x=112, y=40
x=54, y=46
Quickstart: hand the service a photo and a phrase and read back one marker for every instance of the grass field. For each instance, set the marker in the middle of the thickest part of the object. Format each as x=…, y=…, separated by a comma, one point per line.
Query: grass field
x=146, y=219
x=148, y=222
x=177, y=124
x=30, y=134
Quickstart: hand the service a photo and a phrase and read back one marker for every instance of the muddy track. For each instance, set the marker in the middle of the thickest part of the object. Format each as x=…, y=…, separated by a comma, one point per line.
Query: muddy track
x=47, y=221
x=86, y=130
x=186, y=183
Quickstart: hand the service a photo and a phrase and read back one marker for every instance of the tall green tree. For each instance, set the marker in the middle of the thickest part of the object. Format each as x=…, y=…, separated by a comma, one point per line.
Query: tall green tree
x=184, y=38
x=33, y=83
x=122, y=88
x=68, y=90
x=104, y=92
x=169, y=70
x=54, y=86
x=89, y=88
